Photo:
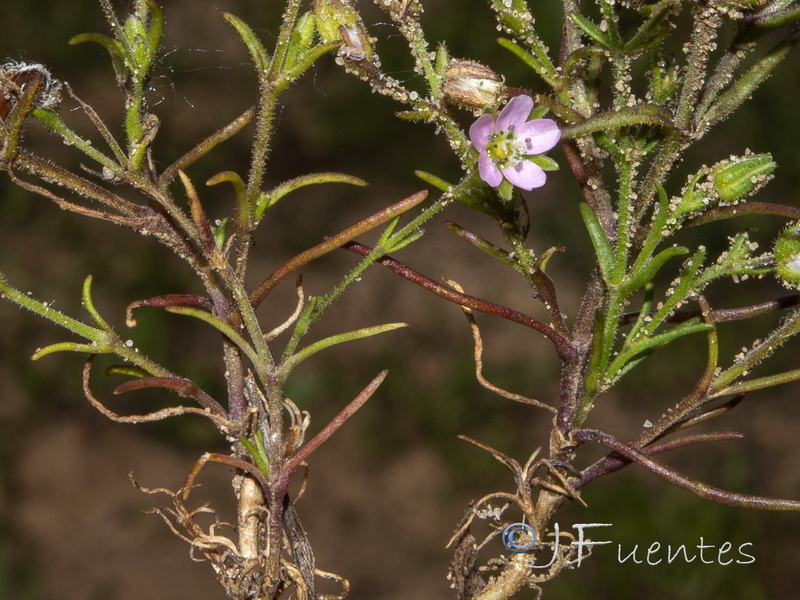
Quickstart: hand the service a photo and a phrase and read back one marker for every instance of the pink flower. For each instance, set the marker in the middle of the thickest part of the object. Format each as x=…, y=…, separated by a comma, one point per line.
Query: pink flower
x=506, y=144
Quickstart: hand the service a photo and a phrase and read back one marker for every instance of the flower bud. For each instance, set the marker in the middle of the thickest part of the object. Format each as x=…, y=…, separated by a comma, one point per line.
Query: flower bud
x=787, y=256
x=337, y=20
x=742, y=176
x=16, y=76
x=471, y=85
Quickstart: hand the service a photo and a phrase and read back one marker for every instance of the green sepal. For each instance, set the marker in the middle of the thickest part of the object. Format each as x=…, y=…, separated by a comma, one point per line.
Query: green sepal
x=302, y=39
x=545, y=162
x=538, y=112
x=155, y=26
x=303, y=63
x=742, y=176
x=505, y=190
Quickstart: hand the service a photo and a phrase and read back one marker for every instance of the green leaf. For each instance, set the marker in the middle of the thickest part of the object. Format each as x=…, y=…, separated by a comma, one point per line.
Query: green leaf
x=156, y=25
x=644, y=348
x=220, y=326
x=637, y=279
x=71, y=347
x=743, y=86
x=258, y=452
x=269, y=199
x=643, y=114
x=437, y=182
x=218, y=230
x=115, y=50
x=602, y=247
x=592, y=30
x=350, y=336
x=652, y=29
x=655, y=235
x=88, y=304
x=254, y=46
x=240, y=189
x=539, y=64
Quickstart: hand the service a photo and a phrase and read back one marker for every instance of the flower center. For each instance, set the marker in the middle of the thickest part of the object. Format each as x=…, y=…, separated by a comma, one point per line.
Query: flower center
x=505, y=149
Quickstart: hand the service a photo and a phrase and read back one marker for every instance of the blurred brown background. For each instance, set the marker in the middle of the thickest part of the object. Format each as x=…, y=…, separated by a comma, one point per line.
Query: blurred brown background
x=386, y=492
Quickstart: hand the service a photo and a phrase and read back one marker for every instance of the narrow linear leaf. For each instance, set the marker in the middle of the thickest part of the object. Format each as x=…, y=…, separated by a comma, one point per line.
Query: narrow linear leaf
x=745, y=85
x=759, y=384
x=44, y=310
x=602, y=247
x=592, y=30
x=644, y=114
x=544, y=69
x=650, y=345
x=269, y=199
x=243, y=212
x=250, y=39
x=648, y=271
x=166, y=301
x=181, y=386
x=71, y=347
x=220, y=326
x=350, y=336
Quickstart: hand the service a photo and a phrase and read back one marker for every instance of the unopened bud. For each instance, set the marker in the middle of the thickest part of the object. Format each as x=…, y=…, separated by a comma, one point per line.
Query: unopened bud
x=742, y=176
x=15, y=77
x=337, y=20
x=471, y=85
x=787, y=256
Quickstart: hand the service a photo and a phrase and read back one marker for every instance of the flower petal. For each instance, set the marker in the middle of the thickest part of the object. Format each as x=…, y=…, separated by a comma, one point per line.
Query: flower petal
x=515, y=113
x=489, y=171
x=480, y=131
x=525, y=175
x=539, y=135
